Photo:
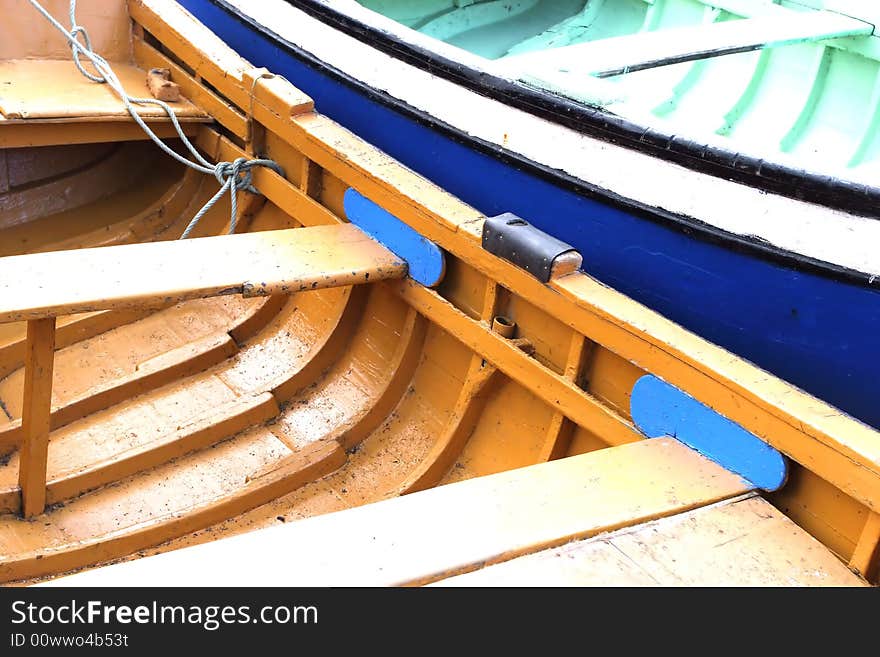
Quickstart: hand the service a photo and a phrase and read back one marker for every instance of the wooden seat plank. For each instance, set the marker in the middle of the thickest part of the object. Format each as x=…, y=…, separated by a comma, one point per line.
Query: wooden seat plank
x=743, y=542
x=159, y=273
x=429, y=535
x=643, y=50
x=54, y=89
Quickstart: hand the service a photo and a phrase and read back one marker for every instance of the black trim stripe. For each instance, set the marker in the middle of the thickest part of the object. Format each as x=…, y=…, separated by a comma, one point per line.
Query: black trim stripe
x=687, y=225
x=779, y=178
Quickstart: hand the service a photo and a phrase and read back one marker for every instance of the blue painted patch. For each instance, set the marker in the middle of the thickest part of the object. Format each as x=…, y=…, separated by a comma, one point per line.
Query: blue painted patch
x=424, y=258
x=659, y=409
x=816, y=332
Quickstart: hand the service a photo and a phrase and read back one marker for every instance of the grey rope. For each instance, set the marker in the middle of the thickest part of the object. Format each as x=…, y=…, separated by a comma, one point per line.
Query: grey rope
x=232, y=176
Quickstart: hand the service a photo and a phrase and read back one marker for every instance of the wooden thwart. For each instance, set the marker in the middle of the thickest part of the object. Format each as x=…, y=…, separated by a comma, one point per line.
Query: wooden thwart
x=49, y=102
x=426, y=536
x=50, y=89
x=643, y=50
x=741, y=542
x=39, y=287
x=158, y=273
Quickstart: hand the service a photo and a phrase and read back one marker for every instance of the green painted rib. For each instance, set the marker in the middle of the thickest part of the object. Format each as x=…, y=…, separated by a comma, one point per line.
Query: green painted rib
x=693, y=73
x=777, y=99
x=748, y=96
x=871, y=131
x=820, y=76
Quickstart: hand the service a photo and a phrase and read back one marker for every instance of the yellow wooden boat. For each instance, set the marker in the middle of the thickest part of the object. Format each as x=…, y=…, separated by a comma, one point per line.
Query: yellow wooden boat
x=363, y=384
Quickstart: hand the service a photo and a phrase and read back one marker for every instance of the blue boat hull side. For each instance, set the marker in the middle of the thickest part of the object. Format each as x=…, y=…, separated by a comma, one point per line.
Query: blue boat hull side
x=815, y=331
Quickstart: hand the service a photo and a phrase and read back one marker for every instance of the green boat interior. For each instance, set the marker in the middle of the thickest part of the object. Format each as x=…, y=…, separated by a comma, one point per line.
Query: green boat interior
x=796, y=82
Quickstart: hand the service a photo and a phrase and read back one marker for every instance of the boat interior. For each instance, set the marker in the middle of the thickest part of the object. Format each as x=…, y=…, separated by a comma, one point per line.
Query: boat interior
x=159, y=393
x=790, y=81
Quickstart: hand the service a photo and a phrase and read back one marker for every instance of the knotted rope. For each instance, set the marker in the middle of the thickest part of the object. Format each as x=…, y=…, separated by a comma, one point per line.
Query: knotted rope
x=232, y=176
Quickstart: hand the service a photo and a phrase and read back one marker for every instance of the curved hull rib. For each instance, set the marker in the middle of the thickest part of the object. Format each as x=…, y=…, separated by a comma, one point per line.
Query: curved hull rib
x=223, y=414
x=808, y=320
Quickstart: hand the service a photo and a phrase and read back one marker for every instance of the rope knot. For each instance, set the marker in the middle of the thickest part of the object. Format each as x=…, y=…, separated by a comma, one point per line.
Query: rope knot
x=237, y=173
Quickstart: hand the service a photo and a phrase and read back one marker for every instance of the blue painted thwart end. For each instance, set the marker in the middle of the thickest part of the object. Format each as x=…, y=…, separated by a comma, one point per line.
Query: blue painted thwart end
x=425, y=260
x=659, y=409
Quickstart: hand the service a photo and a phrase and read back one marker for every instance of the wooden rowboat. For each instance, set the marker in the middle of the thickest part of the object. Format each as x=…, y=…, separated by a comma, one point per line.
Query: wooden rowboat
x=727, y=179
x=363, y=375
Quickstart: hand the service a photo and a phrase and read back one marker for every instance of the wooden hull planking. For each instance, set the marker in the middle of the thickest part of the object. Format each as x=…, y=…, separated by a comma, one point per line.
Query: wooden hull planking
x=148, y=418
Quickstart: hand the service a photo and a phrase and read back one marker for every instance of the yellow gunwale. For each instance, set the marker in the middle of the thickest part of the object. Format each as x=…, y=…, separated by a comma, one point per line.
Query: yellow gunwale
x=256, y=114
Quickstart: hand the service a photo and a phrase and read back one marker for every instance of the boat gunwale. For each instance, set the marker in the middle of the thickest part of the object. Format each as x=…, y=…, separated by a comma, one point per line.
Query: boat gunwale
x=857, y=198
x=304, y=132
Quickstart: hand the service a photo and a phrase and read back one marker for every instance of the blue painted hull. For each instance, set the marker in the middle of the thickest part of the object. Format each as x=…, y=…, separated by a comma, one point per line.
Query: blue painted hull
x=819, y=332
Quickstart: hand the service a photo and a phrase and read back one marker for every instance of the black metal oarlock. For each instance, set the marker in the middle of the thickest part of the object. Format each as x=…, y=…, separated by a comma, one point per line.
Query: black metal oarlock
x=513, y=238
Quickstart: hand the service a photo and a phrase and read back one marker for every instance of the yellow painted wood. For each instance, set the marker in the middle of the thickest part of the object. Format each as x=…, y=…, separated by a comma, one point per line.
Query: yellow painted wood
x=291, y=198
x=432, y=534
x=111, y=522
x=165, y=368
x=465, y=416
x=254, y=264
x=743, y=542
x=69, y=330
x=553, y=388
x=560, y=430
x=866, y=557
x=68, y=476
x=810, y=431
x=137, y=356
x=399, y=376
x=148, y=57
x=27, y=35
x=51, y=132
x=252, y=324
x=53, y=89
x=39, y=359
x=216, y=62
x=323, y=351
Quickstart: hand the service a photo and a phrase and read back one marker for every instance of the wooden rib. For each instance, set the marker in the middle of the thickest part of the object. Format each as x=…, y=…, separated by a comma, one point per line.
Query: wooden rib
x=325, y=352
x=70, y=330
x=247, y=327
x=152, y=223
x=39, y=361
x=310, y=178
x=171, y=366
x=556, y=390
x=252, y=264
x=871, y=129
x=560, y=429
x=309, y=464
x=835, y=446
x=196, y=434
x=688, y=77
x=820, y=77
x=405, y=540
x=400, y=375
x=866, y=557
x=733, y=115
x=465, y=415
